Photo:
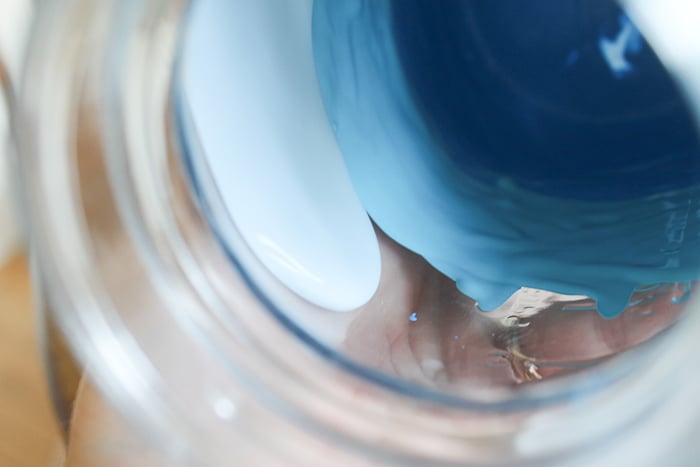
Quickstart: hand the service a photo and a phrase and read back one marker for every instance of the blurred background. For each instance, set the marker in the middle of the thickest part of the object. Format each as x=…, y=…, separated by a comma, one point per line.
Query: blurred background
x=29, y=434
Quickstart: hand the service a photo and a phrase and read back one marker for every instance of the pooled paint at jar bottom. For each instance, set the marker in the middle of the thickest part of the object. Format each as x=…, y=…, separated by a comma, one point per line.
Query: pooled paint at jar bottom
x=492, y=234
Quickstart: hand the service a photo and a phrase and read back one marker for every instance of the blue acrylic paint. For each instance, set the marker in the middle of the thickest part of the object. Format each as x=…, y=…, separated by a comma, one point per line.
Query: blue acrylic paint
x=538, y=144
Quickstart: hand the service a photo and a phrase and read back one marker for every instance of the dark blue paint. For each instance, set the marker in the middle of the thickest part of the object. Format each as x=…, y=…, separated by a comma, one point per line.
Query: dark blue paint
x=523, y=89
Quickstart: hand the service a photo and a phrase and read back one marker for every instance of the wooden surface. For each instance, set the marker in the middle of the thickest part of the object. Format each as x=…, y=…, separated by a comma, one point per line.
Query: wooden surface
x=28, y=431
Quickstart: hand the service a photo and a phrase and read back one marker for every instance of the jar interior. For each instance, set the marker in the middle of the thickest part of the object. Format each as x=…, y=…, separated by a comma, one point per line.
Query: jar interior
x=265, y=165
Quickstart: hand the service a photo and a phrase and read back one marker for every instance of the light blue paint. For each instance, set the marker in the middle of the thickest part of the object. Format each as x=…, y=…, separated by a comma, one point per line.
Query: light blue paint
x=255, y=130
x=615, y=51
x=600, y=221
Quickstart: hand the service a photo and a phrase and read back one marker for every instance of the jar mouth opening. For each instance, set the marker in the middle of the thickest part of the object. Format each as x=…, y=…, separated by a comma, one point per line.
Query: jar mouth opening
x=604, y=369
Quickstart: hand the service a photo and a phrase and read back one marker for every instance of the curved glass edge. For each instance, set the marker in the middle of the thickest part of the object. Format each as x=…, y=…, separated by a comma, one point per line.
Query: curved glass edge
x=361, y=371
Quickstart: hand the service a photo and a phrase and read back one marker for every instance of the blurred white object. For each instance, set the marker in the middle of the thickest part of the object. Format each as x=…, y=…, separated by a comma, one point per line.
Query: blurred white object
x=15, y=16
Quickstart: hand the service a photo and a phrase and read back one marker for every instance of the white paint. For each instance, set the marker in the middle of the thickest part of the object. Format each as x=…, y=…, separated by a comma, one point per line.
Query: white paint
x=672, y=27
x=250, y=83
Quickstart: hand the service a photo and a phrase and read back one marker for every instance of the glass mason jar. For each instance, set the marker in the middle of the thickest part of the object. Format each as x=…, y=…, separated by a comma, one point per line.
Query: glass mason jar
x=216, y=362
